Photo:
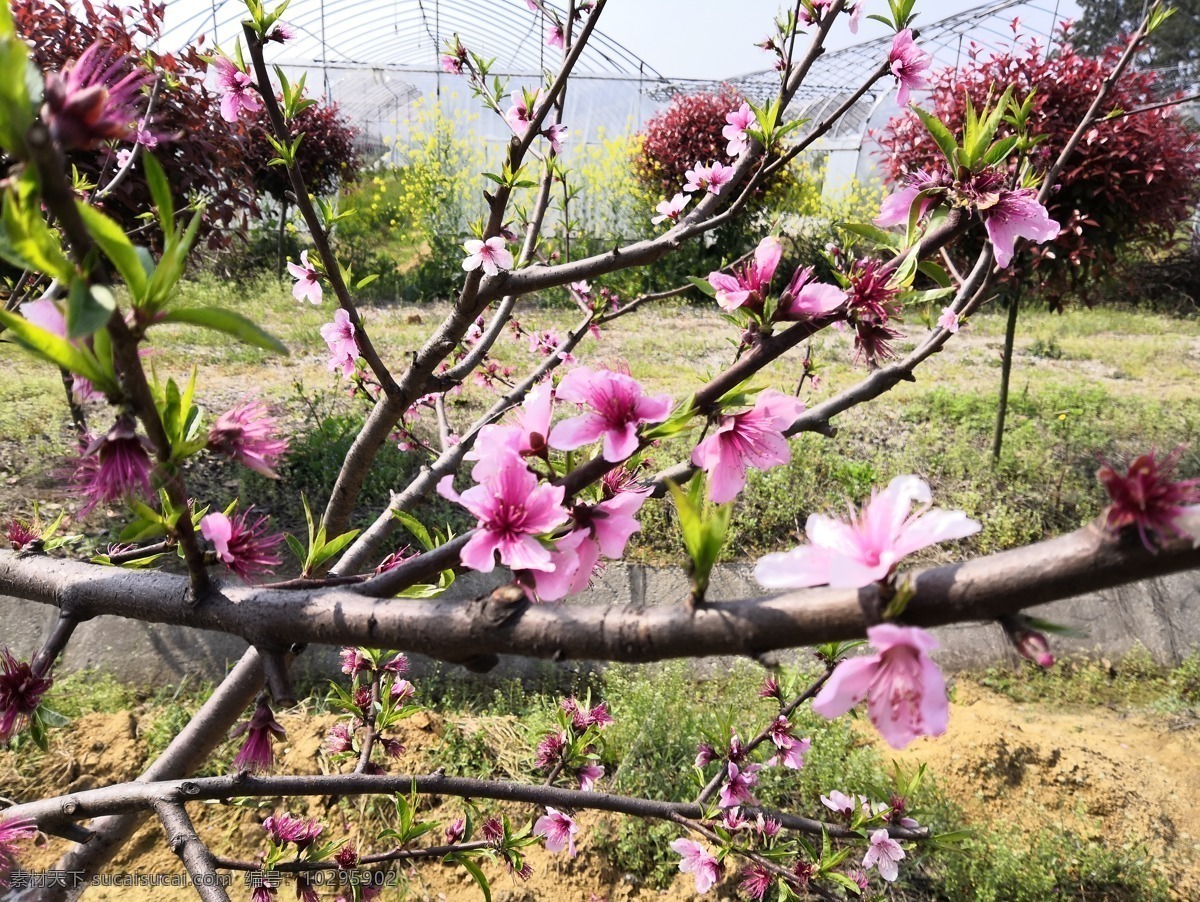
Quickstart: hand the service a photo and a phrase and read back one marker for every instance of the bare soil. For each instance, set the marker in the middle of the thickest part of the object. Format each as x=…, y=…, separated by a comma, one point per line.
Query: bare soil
x=1102, y=773
x=1106, y=774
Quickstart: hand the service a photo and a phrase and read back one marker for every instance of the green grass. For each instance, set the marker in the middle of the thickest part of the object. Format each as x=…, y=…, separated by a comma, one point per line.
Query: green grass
x=1087, y=383
x=1133, y=682
x=662, y=710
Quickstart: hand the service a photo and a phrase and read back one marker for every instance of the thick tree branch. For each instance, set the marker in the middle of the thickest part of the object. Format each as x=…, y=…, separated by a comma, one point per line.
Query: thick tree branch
x=981, y=589
x=188, y=750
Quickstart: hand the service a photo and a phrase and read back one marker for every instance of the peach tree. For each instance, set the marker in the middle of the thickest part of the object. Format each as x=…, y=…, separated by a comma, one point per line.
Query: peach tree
x=552, y=475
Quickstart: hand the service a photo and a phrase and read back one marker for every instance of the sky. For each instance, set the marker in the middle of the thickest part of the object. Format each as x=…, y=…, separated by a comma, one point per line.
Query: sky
x=714, y=39
x=705, y=39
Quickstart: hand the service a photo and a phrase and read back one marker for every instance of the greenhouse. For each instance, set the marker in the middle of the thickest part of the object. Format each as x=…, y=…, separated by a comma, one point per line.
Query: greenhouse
x=379, y=60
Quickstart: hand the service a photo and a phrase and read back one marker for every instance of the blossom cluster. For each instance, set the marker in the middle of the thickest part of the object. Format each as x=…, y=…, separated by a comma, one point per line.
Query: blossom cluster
x=518, y=512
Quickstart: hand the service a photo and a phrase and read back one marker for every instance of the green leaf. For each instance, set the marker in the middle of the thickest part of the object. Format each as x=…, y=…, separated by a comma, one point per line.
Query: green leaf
x=296, y=547
x=117, y=247
x=30, y=237
x=170, y=268
x=935, y=272
x=1000, y=150
x=475, y=871
x=57, y=350
x=926, y=297
x=160, y=191
x=332, y=547
x=938, y=131
x=427, y=590
x=366, y=280
x=226, y=321
x=703, y=285
x=19, y=82
x=872, y=233
x=417, y=528
x=840, y=878
x=704, y=527
x=88, y=308
x=979, y=132
x=679, y=421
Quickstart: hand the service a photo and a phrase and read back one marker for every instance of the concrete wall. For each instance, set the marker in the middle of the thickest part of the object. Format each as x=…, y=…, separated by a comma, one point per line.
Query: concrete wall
x=1163, y=615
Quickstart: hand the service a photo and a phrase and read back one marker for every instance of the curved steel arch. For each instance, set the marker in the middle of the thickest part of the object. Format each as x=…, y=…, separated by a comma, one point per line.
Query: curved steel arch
x=359, y=31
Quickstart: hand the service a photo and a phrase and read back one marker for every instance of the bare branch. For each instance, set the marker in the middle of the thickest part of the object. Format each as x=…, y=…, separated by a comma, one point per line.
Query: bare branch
x=195, y=855
x=981, y=589
x=127, y=797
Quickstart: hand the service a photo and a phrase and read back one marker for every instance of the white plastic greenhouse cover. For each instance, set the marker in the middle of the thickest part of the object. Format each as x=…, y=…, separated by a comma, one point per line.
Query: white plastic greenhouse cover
x=379, y=59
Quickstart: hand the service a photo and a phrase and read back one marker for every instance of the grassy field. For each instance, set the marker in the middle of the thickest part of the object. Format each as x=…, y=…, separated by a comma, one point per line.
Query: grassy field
x=1033, y=850
x=1087, y=384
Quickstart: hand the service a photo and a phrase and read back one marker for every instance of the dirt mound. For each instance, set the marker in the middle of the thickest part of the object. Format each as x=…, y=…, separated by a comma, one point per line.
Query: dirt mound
x=108, y=750
x=1097, y=772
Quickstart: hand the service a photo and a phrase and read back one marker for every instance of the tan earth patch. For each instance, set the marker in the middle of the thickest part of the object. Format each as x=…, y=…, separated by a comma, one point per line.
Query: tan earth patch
x=1099, y=772
x=1104, y=774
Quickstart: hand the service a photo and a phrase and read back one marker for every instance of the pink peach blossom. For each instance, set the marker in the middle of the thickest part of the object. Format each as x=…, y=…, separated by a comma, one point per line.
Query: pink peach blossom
x=753, y=438
x=601, y=529
x=308, y=280
x=856, y=16
x=617, y=406
x=711, y=178
x=525, y=438
x=905, y=691
x=556, y=134
x=839, y=803
x=897, y=206
x=247, y=434
x=747, y=286
x=805, y=298
x=909, y=65
x=114, y=467
x=738, y=788
x=237, y=91
x=948, y=320
x=588, y=775
x=513, y=508
x=492, y=255
x=575, y=559
x=341, y=339
x=518, y=115
x=94, y=98
x=13, y=832
x=1148, y=496
x=884, y=854
x=559, y=830
x=866, y=549
x=1017, y=214
x=791, y=748
x=257, y=753
x=670, y=209
x=735, y=131
x=697, y=861
x=242, y=545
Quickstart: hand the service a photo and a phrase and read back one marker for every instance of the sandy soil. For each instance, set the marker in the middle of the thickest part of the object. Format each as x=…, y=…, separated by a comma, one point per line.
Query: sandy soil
x=1097, y=771
x=1101, y=773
